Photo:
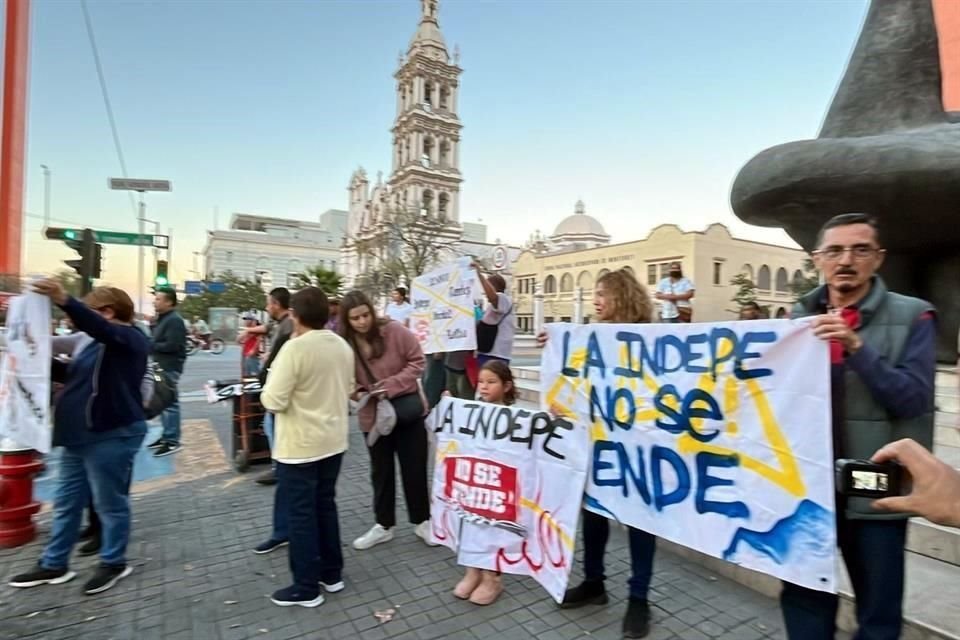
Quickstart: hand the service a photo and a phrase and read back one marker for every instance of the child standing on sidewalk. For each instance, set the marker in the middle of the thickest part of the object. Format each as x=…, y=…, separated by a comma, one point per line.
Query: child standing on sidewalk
x=494, y=385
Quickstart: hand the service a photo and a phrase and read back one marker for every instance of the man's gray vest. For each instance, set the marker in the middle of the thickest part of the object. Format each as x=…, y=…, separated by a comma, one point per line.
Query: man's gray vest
x=885, y=322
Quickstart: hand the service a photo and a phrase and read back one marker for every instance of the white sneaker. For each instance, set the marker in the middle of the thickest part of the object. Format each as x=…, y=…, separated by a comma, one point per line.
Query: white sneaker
x=372, y=538
x=333, y=587
x=423, y=532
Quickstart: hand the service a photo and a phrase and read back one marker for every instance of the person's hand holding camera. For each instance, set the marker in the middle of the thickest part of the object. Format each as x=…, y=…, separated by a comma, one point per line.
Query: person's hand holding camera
x=935, y=492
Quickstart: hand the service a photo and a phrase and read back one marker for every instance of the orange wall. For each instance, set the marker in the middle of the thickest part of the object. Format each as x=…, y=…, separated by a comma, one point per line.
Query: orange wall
x=947, y=15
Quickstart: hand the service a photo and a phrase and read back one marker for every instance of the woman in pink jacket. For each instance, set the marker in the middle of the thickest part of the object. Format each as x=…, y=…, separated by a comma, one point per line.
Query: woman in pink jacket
x=389, y=361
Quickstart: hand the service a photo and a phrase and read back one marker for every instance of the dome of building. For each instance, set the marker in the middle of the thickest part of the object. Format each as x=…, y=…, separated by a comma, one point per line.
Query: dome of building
x=580, y=226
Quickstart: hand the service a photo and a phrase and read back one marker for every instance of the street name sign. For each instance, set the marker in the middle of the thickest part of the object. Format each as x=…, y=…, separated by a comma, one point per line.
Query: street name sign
x=136, y=184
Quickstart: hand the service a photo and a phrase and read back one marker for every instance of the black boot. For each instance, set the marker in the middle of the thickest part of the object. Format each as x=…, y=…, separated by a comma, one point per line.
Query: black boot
x=587, y=592
x=636, y=622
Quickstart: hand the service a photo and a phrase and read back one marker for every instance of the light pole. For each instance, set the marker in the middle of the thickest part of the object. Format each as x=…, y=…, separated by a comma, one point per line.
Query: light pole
x=46, y=195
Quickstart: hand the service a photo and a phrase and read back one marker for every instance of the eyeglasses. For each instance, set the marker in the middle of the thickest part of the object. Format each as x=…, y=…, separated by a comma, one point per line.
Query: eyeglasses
x=858, y=252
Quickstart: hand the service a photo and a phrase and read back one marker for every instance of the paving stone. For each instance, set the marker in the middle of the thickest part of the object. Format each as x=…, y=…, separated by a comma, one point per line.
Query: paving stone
x=191, y=549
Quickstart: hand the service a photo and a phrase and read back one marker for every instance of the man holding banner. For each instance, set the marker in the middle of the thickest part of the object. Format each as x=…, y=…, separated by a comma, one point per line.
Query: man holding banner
x=883, y=361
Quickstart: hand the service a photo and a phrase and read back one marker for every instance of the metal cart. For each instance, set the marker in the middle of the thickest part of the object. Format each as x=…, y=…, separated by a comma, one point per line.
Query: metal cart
x=248, y=440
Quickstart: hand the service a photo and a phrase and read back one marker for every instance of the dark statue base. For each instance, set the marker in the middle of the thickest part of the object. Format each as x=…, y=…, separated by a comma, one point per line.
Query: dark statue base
x=887, y=148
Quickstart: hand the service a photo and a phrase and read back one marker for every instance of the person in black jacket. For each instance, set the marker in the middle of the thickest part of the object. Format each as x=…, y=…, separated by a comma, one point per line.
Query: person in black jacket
x=169, y=352
x=99, y=422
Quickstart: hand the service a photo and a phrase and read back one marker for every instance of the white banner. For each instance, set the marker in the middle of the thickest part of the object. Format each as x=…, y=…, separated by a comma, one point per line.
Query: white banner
x=713, y=436
x=443, y=316
x=25, y=373
x=506, y=489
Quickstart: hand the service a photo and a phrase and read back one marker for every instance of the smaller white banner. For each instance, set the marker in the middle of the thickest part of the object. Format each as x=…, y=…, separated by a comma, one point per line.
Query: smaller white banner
x=443, y=317
x=25, y=373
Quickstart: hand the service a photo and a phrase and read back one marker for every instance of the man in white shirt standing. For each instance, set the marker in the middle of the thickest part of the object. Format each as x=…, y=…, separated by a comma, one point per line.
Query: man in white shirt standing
x=675, y=294
x=399, y=308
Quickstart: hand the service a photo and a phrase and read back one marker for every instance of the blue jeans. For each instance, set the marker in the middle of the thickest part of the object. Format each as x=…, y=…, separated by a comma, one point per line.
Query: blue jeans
x=873, y=551
x=280, y=531
x=268, y=420
x=311, y=490
x=596, y=531
x=103, y=468
x=251, y=366
x=170, y=418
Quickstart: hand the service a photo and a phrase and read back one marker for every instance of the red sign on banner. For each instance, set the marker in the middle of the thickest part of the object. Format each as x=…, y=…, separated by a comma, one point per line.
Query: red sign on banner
x=484, y=487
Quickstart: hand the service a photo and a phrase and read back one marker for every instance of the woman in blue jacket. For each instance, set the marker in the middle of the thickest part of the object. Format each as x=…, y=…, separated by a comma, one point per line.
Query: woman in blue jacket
x=99, y=422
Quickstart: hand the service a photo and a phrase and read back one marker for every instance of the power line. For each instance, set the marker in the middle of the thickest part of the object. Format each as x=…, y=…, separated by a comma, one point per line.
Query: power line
x=106, y=101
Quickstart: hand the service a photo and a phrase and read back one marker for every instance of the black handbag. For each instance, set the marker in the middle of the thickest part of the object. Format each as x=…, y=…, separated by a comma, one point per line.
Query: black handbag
x=164, y=393
x=487, y=333
x=409, y=407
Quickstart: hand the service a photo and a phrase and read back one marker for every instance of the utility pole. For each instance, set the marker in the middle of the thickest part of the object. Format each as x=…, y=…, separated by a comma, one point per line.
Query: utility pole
x=13, y=131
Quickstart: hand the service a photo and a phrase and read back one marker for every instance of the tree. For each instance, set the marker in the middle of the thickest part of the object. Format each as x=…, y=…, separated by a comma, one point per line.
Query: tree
x=404, y=245
x=240, y=294
x=327, y=281
x=746, y=292
x=809, y=281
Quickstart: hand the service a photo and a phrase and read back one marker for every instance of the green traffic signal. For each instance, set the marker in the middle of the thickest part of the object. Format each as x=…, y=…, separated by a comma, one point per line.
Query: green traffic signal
x=70, y=234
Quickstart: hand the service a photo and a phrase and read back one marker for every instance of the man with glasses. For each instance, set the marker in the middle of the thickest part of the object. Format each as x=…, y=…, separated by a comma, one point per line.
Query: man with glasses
x=883, y=361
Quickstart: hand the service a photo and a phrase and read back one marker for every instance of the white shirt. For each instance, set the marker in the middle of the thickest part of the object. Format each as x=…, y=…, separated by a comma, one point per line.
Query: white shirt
x=502, y=313
x=399, y=312
x=668, y=308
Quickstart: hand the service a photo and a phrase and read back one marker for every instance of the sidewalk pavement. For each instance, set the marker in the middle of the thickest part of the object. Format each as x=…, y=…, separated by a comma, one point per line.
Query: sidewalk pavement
x=195, y=577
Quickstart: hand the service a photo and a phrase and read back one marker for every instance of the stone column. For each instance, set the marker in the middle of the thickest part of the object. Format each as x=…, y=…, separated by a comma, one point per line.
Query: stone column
x=578, y=306
x=537, y=308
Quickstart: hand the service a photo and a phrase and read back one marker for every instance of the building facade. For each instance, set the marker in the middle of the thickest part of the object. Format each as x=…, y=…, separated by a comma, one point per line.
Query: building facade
x=274, y=250
x=565, y=275
x=426, y=174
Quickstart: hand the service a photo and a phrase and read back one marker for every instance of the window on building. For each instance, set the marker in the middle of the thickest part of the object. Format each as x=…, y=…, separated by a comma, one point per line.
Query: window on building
x=717, y=272
x=229, y=257
x=566, y=283
x=747, y=270
x=550, y=285
x=763, y=278
x=428, y=93
x=783, y=281
x=565, y=318
x=444, y=97
x=651, y=274
x=443, y=202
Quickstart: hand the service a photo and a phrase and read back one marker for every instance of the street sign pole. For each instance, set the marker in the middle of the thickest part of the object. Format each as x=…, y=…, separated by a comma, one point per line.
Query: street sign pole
x=140, y=283
x=140, y=186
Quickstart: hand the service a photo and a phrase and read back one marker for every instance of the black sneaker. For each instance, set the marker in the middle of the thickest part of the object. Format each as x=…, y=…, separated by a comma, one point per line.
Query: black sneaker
x=267, y=478
x=295, y=596
x=587, y=592
x=156, y=444
x=166, y=449
x=104, y=578
x=269, y=545
x=87, y=534
x=39, y=576
x=90, y=548
x=636, y=623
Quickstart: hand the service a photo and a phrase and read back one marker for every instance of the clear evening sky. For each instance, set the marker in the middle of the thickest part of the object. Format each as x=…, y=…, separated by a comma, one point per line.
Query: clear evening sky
x=644, y=109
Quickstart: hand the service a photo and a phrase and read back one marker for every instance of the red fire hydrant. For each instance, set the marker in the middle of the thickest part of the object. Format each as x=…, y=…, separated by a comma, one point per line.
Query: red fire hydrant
x=17, y=506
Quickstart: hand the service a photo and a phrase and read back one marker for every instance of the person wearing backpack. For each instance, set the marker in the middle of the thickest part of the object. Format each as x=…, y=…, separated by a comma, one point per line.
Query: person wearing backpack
x=497, y=328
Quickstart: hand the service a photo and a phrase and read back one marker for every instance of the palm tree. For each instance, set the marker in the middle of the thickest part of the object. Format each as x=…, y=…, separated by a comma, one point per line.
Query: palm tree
x=327, y=281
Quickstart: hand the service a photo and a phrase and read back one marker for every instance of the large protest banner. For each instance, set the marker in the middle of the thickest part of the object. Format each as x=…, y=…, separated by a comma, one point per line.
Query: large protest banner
x=506, y=488
x=443, y=311
x=25, y=373
x=713, y=436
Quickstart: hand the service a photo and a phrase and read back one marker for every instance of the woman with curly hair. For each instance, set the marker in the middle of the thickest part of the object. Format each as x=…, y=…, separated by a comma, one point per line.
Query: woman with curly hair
x=617, y=299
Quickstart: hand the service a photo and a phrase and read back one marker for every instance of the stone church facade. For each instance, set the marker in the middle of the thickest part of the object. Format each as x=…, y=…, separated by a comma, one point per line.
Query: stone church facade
x=426, y=174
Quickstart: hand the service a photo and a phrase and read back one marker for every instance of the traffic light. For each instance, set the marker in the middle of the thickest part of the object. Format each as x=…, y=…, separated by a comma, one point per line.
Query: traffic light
x=84, y=242
x=161, y=280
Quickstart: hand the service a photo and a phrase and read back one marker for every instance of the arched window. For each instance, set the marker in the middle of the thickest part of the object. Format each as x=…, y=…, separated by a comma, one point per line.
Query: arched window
x=763, y=278
x=445, y=154
x=426, y=203
x=550, y=285
x=629, y=270
x=585, y=281
x=781, y=313
x=295, y=266
x=427, y=157
x=602, y=273
x=444, y=96
x=782, y=281
x=428, y=93
x=443, y=205
x=747, y=270
x=798, y=278
x=566, y=283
